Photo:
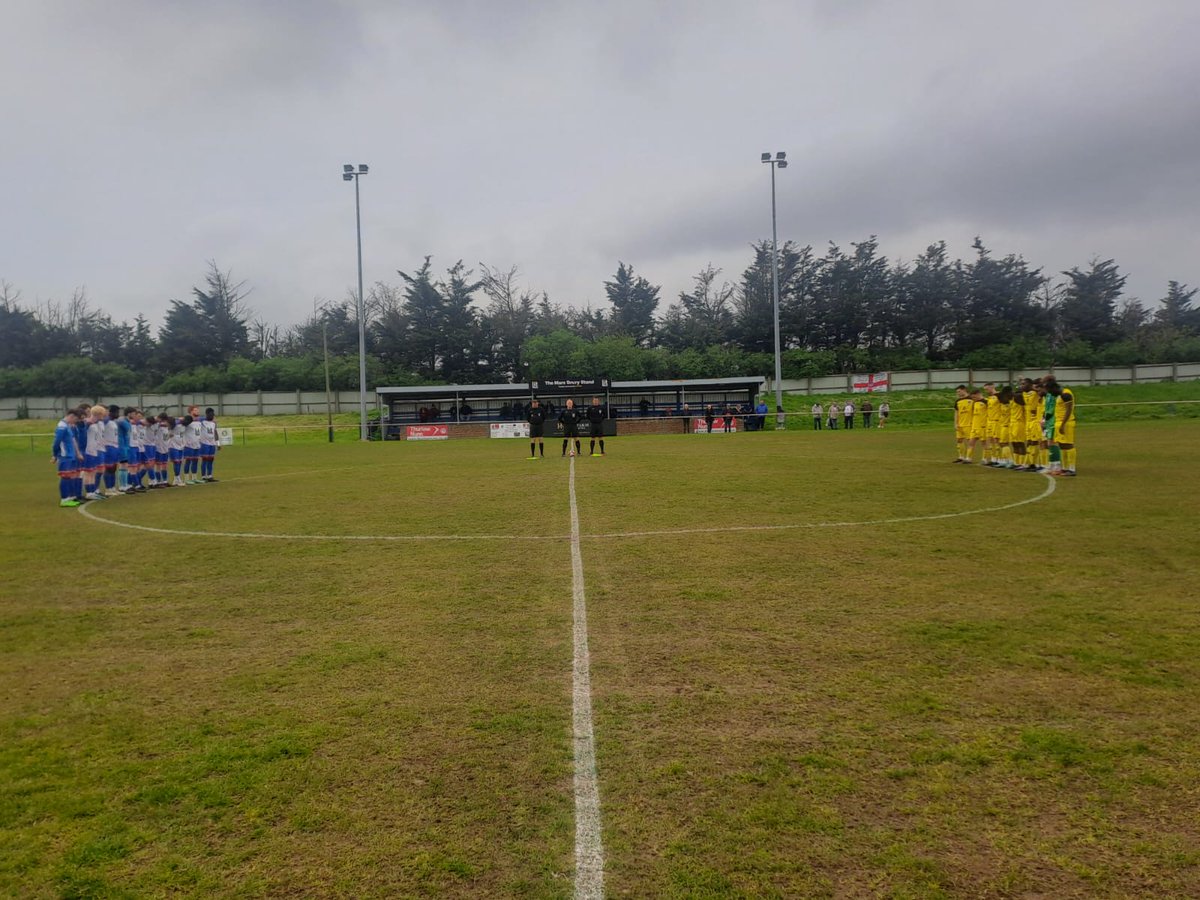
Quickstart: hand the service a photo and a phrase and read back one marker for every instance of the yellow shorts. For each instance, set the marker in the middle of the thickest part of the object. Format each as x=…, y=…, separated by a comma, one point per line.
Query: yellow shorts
x=1004, y=434
x=1065, y=434
x=961, y=434
x=979, y=433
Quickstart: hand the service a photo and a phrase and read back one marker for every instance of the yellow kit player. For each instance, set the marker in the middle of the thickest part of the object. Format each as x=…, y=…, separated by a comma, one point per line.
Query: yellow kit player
x=979, y=415
x=1003, y=458
x=1016, y=431
x=1033, y=417
x=962, y=422
x=1064, y=430
x=991, y=453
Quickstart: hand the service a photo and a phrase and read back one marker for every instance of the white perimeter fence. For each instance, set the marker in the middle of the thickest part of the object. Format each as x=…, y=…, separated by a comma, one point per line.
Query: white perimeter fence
x=945, y=379
x=267, y=403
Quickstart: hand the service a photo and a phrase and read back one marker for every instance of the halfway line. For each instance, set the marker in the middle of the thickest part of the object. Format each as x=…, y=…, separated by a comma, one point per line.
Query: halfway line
x=589, y=849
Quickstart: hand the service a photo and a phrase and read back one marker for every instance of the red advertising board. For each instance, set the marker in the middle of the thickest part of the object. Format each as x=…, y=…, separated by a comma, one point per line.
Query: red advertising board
x=427, y=432
x=700, y=425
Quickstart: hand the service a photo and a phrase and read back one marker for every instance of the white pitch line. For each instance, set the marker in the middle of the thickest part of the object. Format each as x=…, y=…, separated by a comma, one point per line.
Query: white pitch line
x=666, y=532
x=84, y=510
x=589, y=848
x=726, y=529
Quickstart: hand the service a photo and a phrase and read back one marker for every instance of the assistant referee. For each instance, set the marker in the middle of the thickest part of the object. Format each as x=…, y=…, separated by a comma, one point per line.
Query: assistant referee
x=596, y=415
x=537, y=426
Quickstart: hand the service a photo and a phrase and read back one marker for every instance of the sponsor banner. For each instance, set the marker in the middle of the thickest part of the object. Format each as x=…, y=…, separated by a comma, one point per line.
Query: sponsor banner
x=700, y=425
x=869, y=384
x=510, y=429
x=427, y=432
x=571, y=384
x=224, y=437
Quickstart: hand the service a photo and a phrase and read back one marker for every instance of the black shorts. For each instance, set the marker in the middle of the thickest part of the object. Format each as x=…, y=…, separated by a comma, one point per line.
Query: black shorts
x=595, y=429
x=537, y=429
x=570, y=431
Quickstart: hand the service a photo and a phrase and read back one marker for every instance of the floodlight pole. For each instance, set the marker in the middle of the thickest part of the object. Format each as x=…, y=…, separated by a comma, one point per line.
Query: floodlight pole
x=780, y=162
x=350, y=174
x=325, y=350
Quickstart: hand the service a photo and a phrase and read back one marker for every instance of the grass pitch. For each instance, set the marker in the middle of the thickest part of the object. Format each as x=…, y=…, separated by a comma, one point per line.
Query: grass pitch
x=822, y=665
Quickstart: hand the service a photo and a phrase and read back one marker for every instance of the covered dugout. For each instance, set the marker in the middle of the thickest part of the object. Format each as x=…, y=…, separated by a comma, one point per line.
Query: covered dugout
x=473, y=405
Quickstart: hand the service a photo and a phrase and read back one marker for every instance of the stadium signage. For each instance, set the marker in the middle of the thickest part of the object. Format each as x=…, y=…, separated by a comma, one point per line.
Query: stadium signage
x=571, y=384
x=700, y=425
x=510, y=430
x=427, y=432
x=225, y=437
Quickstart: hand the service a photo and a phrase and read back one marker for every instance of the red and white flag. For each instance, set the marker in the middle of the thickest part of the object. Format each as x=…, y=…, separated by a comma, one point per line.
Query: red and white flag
x=869, y=384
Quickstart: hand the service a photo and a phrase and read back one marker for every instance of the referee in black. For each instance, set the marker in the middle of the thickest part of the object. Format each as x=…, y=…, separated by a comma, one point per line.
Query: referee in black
x=596, y=416
x=537, y=426
x=569, y=418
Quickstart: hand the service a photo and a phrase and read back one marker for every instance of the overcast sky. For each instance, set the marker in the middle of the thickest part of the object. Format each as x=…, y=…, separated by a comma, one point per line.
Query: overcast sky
x=141, y=139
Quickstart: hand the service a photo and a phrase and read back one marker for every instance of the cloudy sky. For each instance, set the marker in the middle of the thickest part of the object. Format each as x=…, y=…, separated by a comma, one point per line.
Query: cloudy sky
x=142, y=138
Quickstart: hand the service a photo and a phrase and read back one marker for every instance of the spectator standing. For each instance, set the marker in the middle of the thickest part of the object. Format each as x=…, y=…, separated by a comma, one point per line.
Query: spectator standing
x=760, y=414
x=833, y=415
x=728, y=416
x=848, y=414
x=817, y=413
x=884, y=412
x=867, y=409
x=709, y=415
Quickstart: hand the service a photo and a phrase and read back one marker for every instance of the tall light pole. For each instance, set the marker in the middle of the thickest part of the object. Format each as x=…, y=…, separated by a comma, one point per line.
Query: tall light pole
x=349, y=174
x=325, y=348
x=779, y=162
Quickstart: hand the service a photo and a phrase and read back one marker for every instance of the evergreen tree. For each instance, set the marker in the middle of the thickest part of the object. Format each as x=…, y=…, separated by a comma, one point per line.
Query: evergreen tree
x=702, y=317
x=1089, y=305
x=997, y=302
x=634, y=301
x=754, y=304
x=1176, y=310
x=930, y=288
x=209, y=331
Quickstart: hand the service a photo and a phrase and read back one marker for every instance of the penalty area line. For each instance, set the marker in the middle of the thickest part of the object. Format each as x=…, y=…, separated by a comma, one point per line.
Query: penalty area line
x=589, y=848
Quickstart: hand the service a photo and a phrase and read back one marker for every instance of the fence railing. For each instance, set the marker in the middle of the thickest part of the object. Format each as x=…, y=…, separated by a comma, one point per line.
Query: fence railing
x=267, y=403
x=941, y=379
x=903, y=416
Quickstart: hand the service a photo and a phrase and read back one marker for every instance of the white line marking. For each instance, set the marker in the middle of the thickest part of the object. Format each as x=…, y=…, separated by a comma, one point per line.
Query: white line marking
x=326, y=537
x=666, y=532
x=589, y=849
x=725, y=529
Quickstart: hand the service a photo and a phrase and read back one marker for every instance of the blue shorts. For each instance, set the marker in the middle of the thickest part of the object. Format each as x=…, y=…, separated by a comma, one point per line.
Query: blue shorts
x=175, y=454
x=191, y=452
x=163, y=456
x=93, y=462
x=127, y=455
x=68, y=468
x=208, y=451
x=112, y=456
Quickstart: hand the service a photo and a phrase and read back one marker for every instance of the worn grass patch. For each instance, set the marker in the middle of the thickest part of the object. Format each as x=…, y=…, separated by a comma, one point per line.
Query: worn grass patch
x=996, y=703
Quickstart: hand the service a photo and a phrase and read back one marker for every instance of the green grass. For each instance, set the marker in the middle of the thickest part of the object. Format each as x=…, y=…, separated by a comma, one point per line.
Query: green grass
x=1000, y=703
x=1103, y=403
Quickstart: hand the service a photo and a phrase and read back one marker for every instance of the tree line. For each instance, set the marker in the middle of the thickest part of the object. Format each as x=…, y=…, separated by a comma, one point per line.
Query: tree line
x=841, y=311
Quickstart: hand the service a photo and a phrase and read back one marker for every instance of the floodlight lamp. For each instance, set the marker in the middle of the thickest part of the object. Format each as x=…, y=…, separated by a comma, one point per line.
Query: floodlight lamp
x=347, y=168
x=766, y=157
x=346, y=176
x=362, y=168
x=780, y=155
x=782, y=163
